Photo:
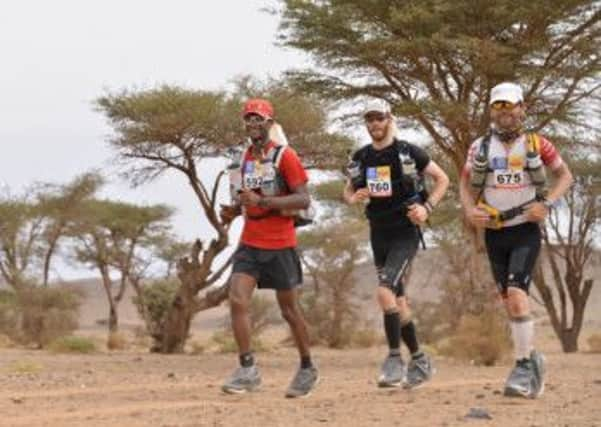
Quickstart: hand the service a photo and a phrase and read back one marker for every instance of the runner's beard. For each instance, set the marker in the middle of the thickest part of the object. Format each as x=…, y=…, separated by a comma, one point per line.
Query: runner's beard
x=508, y=134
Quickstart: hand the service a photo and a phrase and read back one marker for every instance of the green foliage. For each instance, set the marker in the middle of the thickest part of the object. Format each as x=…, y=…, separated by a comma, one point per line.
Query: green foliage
x=435, y=61
x=73, y=344
x=154, y=301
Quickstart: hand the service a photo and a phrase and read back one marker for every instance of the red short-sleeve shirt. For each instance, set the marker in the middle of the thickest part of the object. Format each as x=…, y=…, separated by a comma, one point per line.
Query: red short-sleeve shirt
x=273, y=232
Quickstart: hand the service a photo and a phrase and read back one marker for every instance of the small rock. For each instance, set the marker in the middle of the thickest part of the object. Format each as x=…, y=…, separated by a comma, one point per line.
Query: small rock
x=479, y=396
x=496, y=392
x=171, y=375
x=447, y=402
x=478, y=413
x=16, y=400
x=597, y=382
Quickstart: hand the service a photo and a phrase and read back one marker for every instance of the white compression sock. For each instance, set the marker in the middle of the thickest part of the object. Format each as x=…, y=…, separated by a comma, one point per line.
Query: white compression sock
x=522, y=332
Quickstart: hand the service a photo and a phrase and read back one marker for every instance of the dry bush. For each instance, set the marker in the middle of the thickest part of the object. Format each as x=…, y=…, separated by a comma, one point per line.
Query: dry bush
x=73, y=344
x=224, y=339
x=365, y=338
x=37, y=316
x=482, y=339
x=263, y=313
x=5, y=341
x=197, y=348
x=594, y=342
x=117, y=341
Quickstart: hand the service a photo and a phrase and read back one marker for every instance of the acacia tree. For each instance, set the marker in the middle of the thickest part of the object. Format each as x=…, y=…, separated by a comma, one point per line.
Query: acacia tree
x=21, y=228
x=61, y=204
x=113, y=237
x=569, y=248
x=435, y=61
x=171, y=128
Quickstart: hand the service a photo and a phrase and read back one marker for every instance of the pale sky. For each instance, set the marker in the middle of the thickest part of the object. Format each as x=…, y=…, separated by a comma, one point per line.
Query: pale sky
x=58, y=56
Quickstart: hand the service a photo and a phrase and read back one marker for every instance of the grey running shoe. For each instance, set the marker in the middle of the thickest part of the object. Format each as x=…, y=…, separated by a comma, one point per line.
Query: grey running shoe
x=538, y=373
x=520, y=380
x=392, y=373
x=420, y=370
x=243, y=380
x=303, y=382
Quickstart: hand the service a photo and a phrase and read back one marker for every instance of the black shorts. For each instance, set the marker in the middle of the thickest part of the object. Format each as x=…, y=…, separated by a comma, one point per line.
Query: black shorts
x=393, y=249
x=512, y=252
x=278, y=269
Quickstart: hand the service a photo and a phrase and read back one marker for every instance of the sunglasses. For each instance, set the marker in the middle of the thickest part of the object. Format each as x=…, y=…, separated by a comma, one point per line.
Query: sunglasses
x=504, y=105
x=254, y=119
x=370, y=118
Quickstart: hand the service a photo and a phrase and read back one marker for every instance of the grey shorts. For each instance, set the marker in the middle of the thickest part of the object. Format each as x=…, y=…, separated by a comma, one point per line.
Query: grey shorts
x=278, y=269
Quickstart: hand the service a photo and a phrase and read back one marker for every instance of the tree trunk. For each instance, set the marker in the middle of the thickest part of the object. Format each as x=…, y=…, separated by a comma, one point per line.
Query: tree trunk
x=193, y=276
x=177, y=325
x=113, y=319
x=569, y=340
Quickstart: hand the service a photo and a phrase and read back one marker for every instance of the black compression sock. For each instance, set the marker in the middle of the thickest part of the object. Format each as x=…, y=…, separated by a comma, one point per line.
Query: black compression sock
x=409, y=338
x=392, y=327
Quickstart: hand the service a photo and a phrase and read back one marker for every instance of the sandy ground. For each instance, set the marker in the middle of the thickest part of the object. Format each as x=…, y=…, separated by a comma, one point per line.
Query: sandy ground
x=140, y=389
x=135, y=388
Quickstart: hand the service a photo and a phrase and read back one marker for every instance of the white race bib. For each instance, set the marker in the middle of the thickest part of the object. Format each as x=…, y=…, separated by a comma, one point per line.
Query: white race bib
x=253, y=175
x=379, y=183
x=508, y=178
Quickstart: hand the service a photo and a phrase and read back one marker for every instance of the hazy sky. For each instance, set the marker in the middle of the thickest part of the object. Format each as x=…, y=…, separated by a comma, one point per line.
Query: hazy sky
x=58, y=56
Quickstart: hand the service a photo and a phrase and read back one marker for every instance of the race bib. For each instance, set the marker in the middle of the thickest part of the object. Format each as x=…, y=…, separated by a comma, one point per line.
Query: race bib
x=378, y=181
x=508, y=178
x=253, y=175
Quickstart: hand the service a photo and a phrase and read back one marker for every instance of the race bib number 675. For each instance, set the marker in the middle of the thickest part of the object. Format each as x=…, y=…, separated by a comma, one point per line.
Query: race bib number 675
x=508, y=178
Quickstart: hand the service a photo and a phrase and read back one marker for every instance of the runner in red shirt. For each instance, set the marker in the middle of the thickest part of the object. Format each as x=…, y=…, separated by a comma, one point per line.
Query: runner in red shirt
x=274, y=183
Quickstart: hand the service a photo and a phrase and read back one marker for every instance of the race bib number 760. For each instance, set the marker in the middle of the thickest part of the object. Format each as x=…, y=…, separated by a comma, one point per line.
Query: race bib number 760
x=378, y=181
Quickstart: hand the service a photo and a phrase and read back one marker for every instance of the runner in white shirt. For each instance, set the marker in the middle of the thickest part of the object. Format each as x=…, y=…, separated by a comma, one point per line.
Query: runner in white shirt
x=501, y=189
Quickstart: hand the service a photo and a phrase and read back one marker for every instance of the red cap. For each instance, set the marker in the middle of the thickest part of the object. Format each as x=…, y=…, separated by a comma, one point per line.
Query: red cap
x=262, y=107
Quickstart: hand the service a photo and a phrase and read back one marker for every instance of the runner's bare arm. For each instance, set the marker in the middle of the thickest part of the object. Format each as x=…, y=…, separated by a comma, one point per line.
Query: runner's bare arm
x=465, y=192
x=351, y=197
x=441, y=182
x=564, y=180
x=298, y=199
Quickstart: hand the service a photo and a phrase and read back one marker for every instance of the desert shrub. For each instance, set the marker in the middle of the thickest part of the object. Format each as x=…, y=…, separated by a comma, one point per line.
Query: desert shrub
x=225, y=342
x=153, y=302
x=73, y=344
x=594, y=343
x=480, y=339
x=37, y=316
x=117, y=341
x=365, y=338
x=263, y=313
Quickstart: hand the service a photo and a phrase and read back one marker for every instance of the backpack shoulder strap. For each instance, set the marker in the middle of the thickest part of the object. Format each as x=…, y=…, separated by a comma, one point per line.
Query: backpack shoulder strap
x=277, y=154
x=533, y=142
x=402, y=146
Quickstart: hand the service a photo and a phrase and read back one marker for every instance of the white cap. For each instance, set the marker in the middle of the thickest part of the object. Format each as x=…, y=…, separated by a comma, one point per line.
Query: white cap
x=510, y=92
x=377, y=106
